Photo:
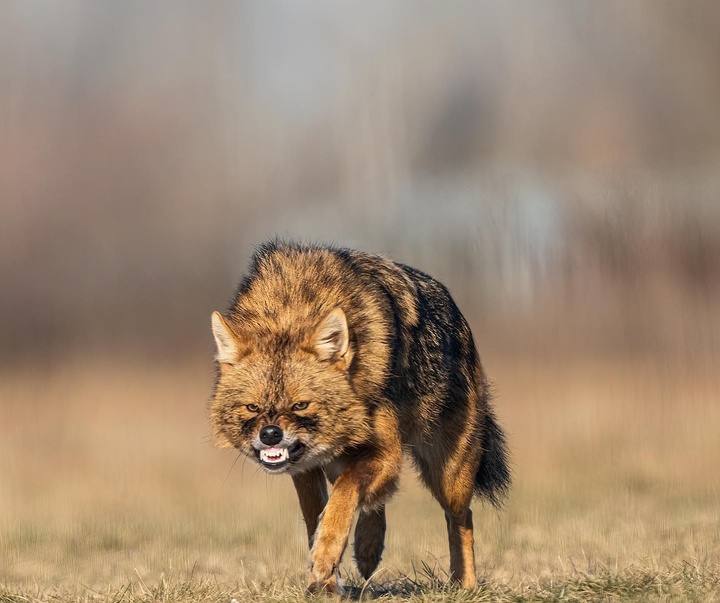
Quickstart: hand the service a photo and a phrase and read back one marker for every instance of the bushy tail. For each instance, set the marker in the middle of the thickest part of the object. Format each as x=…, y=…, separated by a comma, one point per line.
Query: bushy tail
x=492, y=480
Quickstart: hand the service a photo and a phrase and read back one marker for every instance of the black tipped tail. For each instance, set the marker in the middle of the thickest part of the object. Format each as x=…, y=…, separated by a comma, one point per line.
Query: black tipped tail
x=492, y=481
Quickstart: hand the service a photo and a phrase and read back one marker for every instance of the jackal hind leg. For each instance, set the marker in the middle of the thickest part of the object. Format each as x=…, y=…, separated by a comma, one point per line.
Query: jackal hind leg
x=369, y=540
x=462, y=553
x=451, y=482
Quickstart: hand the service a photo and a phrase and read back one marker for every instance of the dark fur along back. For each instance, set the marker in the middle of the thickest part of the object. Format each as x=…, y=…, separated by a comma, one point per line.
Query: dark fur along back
x=413, y=348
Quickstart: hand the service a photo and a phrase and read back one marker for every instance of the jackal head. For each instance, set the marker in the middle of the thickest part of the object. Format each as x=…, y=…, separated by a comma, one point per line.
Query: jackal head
x=286, y=399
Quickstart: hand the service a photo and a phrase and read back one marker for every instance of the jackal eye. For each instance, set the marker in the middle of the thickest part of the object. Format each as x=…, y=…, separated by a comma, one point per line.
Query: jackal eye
x=300, y=405
x=252, y=407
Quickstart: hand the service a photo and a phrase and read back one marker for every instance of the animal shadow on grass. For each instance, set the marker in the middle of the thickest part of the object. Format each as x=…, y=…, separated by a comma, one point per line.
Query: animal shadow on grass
x=424, y=580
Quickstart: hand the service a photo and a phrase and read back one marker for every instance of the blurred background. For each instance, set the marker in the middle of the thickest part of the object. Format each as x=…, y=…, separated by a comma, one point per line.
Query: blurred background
x=557, y=165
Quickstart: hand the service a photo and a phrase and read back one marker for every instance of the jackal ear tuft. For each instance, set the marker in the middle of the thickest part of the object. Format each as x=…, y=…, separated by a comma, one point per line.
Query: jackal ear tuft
x=227, y=346
x=331, y=338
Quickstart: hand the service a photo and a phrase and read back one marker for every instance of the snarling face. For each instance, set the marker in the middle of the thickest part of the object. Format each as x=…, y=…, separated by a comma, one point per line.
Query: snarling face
x=289, y=408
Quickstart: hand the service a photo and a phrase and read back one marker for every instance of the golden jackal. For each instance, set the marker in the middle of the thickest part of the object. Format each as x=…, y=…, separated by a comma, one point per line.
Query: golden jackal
x=332, y=362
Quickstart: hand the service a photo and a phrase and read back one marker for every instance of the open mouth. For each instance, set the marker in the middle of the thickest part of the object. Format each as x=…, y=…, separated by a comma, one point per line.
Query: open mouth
x=274, y=456
x=277, y=457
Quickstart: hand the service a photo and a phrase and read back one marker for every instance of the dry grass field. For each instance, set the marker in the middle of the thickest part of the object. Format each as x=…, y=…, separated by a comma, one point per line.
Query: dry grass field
x=110, y=491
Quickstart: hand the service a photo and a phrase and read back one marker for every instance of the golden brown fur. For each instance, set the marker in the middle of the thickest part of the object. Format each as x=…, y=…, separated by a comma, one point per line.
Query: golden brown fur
x=334, y=362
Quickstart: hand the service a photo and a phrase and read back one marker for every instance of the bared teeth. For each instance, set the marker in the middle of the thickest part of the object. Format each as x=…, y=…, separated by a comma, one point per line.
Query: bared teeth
x=274, y=455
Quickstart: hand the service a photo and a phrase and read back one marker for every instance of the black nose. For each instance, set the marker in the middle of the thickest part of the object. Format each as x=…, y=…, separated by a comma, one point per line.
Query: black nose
x=271, y=435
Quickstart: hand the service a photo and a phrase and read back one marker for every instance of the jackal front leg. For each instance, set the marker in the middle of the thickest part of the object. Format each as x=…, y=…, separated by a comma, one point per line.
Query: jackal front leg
x=368, y=481
x=311, y=489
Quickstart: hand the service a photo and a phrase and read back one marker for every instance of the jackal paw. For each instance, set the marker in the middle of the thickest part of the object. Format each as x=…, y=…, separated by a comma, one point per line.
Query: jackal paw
x=367, y=561
x=468, y=580
x=325, y=586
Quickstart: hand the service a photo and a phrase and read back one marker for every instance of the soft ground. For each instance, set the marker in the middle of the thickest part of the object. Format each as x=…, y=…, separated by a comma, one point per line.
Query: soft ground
x=110, y=491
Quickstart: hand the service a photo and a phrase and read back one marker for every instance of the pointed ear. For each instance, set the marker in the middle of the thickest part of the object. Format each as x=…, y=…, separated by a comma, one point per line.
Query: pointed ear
x=227, y=346
x=331, y=339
